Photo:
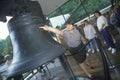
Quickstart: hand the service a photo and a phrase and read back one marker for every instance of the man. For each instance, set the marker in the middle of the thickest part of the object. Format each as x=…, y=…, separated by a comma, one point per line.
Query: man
x=8, y=60
x=102, y=24
x=4, y=68
x=74, y=40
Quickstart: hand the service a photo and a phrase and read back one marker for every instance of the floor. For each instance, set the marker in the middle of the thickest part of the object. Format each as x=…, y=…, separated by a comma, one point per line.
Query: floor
x=95, y=60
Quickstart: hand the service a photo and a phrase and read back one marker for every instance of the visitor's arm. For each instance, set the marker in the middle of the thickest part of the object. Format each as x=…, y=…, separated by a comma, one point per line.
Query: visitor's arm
x=54, y=30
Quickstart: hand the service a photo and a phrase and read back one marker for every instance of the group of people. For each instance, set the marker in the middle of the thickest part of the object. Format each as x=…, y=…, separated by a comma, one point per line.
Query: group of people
x=75, y=40
x=106, y=24
x=113, y=18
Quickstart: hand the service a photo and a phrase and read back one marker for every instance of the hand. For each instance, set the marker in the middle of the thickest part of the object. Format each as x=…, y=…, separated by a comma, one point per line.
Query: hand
x=45, y=27
x=100, y=30
x=84, y=42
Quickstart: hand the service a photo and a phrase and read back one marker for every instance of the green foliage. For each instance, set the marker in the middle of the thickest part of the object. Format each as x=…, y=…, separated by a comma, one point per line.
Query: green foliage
x=93, y=5
x=61, y=27
x=80, y=13
x=8, y=46
x=90, y=6
x=2, y=59
x=58, y=27
x=5, y=48
x=67, y=8
x=1, y=46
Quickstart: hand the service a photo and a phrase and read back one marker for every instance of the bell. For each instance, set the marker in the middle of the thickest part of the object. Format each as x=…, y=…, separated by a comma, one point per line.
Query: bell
x=32, y=47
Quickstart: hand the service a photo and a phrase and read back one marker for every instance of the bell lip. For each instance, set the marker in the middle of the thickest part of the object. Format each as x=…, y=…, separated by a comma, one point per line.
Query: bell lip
x=18, y=71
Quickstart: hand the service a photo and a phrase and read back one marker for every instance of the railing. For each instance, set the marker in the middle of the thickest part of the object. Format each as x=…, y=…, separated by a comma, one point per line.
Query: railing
x=104, y=56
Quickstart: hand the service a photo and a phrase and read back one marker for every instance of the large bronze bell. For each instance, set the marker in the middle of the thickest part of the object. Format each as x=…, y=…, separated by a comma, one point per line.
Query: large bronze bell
x=32, y=47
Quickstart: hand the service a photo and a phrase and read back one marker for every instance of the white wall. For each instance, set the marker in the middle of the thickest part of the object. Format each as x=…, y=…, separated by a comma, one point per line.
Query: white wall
x=58, y=20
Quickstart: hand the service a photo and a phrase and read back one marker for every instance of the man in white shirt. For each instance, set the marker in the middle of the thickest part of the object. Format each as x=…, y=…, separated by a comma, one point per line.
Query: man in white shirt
x=90, y=34
x=102, y=24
